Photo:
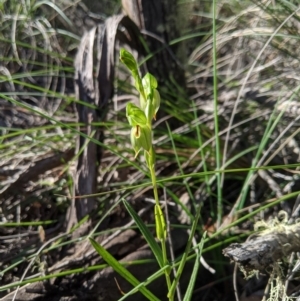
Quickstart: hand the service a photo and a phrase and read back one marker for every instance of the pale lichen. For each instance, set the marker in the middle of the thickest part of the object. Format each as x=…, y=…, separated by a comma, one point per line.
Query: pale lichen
x=276, y=241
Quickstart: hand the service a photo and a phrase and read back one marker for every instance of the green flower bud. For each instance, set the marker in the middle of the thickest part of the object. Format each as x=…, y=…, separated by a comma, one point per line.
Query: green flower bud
x=135, y=142
x=146, y=138
x=152, y=106
x=149, y=83
x=152, y=96
x=128, y=60
x=135, y=115
x=160, y=223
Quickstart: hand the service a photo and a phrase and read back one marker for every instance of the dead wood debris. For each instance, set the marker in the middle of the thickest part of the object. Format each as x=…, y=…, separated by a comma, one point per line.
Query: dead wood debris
x=266, y=248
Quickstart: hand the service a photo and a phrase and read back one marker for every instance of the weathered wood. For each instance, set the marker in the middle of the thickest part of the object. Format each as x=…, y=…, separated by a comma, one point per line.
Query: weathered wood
x=159, y=22
x=36, y=169
x=86, y=172
x=94, y=78
x=266, y=248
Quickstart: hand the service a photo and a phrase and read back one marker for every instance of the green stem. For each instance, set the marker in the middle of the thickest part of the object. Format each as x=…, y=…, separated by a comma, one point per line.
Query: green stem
x=167, y=271
x=151, y=166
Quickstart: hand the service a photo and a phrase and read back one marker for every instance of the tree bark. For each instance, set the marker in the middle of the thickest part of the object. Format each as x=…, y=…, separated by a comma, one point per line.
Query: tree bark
x=159, y=23
x=94, y=78
x=94, y=87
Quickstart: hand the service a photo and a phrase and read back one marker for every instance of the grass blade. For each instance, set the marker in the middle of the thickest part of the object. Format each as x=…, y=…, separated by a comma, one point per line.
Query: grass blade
x=121, y=270
x=190, y=288
x=216, y=117
x=146, y=234
x=159, y=273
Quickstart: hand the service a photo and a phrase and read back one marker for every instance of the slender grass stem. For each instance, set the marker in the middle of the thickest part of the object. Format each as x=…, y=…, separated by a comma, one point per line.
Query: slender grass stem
x=216, y=119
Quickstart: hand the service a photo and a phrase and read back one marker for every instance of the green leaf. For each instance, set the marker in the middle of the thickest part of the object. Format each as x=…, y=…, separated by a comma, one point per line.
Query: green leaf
x=121, y=270
x=190, y=288
x=185, y=254
x=146, y=233
x=150, y=279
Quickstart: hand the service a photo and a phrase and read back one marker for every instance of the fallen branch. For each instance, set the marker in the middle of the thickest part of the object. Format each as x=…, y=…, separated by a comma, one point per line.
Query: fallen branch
x=266, y=248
